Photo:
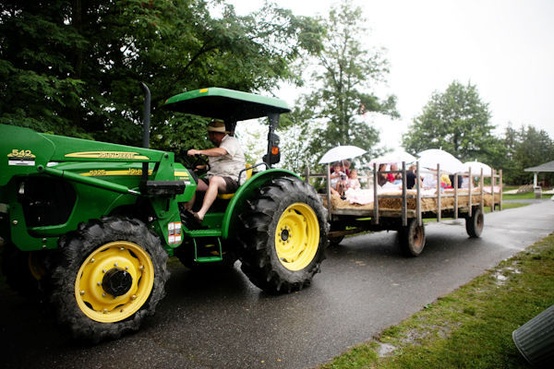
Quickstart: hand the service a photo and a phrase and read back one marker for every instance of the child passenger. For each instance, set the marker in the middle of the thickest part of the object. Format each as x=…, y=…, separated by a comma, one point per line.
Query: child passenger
x=353, y=181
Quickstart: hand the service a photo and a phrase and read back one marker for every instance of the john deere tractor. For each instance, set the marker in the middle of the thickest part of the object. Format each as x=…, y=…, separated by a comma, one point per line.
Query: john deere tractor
x=90, y=225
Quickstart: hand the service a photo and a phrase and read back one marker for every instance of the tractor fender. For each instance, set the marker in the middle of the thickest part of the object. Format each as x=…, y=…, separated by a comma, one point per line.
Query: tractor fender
x=244, y=193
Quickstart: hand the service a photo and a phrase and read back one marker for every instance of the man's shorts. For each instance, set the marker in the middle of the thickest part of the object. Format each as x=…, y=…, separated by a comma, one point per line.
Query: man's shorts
x=231, y=185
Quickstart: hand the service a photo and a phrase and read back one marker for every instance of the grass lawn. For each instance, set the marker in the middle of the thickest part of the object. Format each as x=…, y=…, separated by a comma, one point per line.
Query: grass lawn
x=517, y=200
x=519, y=196
x=471, y=327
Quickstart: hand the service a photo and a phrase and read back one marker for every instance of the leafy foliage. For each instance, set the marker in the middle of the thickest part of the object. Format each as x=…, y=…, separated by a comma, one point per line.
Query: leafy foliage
x=456, y=121
x=74, y=68
x=344, y=73
x=525, y=148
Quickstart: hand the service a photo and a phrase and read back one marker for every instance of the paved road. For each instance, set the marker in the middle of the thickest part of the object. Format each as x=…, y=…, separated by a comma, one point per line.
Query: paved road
x=224, y=322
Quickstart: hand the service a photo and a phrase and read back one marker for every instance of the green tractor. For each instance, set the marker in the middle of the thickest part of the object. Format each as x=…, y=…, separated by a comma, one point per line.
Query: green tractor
x=91, y=224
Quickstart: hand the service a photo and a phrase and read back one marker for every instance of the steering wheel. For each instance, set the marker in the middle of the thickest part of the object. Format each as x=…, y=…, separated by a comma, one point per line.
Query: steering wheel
x=200, y=164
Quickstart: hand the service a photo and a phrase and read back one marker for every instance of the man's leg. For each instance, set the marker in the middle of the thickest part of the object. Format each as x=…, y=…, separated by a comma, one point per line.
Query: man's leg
x=216, y=184
x=201, y=186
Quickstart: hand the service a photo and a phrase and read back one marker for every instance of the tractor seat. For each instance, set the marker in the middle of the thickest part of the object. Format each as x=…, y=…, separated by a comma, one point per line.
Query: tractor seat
x=243, y=176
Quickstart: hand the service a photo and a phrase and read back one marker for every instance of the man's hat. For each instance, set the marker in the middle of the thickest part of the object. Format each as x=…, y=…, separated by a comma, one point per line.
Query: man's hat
x=216, y=125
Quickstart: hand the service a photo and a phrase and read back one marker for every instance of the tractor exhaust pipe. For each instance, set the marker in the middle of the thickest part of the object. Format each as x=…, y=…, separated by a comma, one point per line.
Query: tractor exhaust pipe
x=145, y=128
x=146, y=116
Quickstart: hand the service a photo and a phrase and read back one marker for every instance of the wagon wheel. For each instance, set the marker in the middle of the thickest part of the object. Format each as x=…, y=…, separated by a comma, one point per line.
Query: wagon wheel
x=412, y=238
x=336, y=240
x=475, y=223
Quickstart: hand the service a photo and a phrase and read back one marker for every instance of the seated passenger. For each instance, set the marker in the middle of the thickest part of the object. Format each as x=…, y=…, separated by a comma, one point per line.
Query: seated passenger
x=339, y=179
x=430, y=181
x=353, y=181
x=411, y=177
x=334, y=175
x=395, y=178
x=382, y=178
x=445, y=181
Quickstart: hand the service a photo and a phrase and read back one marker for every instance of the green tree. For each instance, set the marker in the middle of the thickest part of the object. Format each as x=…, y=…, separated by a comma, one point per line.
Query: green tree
x=252, y=53
x=456, y=121
x=74, y=68
x=39, y=84
x=344, y=75
x=526, y=147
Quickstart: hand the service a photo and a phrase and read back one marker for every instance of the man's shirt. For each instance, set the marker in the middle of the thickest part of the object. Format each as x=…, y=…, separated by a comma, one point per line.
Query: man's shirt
x=232, y=163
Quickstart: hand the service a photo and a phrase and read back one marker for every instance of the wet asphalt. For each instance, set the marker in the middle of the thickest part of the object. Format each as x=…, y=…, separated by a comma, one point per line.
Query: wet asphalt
x=220, y=320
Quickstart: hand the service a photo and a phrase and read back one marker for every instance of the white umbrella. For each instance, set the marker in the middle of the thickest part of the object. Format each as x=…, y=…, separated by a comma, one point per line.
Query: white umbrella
x=341, y=153
x=396, y=156
x=448, y=162
x=476, y=167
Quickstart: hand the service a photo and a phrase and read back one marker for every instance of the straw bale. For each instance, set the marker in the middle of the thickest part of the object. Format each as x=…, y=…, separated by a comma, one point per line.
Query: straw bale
x=428, y=203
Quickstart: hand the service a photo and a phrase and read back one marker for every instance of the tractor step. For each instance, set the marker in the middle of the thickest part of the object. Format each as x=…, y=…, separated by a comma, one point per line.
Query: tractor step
x=208, y=249
x=209, y=259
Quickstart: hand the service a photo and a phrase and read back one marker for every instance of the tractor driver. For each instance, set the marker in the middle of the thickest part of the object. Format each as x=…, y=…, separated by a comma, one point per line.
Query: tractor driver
x=226, y=160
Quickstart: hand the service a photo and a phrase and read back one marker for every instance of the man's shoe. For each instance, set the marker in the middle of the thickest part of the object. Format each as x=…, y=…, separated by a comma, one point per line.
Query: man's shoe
x=191, y=220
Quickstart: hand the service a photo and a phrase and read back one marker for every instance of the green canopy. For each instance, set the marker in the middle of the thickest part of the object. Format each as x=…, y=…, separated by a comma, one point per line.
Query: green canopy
x=225, y=104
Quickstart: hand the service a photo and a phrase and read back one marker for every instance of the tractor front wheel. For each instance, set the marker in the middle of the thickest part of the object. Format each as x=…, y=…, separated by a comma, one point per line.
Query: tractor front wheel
x=284, y=236
x=111, y=275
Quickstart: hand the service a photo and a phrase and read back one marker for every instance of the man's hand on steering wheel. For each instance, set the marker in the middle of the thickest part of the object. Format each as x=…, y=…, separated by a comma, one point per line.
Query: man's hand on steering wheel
x=200, y=162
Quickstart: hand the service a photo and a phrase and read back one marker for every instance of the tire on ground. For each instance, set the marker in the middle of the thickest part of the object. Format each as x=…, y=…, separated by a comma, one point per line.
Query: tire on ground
x=110, y=275
x=475, y=223
x=283, y=236
x=338, y=226
x=412, y=238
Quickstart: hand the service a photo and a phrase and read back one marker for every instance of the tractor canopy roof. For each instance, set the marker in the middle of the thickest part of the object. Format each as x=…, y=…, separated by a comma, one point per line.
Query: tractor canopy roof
x=225, y=104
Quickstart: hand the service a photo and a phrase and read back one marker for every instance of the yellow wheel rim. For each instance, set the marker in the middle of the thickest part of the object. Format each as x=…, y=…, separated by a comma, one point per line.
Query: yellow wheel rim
x=114, y=282
x=297, y=236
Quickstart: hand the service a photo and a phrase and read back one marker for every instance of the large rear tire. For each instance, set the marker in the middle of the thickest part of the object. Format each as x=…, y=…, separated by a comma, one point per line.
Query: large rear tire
x=283, y=236
x=412, y=238
x=110, y=276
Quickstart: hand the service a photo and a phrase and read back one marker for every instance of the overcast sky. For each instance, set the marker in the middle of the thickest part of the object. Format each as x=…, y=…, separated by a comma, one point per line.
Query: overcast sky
x=503, y=47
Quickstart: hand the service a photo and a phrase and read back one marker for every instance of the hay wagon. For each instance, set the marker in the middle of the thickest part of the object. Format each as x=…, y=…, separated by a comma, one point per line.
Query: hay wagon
x=378, y=208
